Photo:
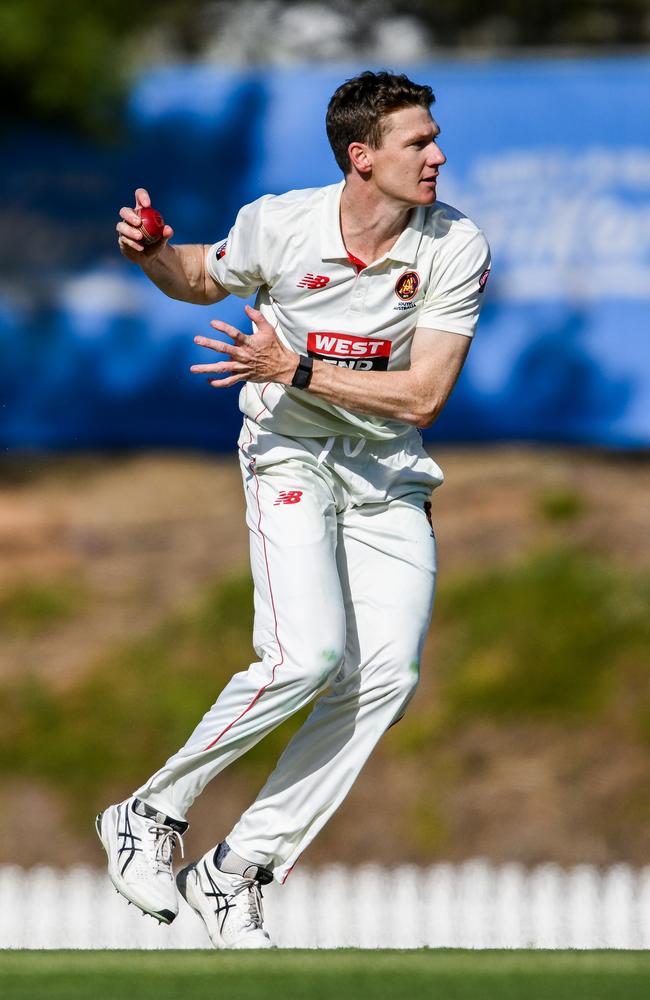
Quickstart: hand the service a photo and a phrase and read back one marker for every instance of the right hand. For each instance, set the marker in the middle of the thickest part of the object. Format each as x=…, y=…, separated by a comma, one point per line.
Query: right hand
x=129, y=231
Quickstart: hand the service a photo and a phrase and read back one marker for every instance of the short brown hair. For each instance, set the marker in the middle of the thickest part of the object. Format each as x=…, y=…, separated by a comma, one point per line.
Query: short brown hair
x=357, y=108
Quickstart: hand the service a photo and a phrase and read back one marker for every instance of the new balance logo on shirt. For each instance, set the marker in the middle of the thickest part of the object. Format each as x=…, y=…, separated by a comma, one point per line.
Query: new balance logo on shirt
x=348, y=351
x=313, y=281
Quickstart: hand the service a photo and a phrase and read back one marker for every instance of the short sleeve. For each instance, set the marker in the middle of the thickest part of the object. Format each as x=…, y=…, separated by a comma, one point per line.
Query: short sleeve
x=236, y=263
x=455, y=295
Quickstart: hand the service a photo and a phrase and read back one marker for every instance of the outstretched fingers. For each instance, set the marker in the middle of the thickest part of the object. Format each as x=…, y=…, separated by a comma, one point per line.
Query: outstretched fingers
x=230, y=331
x=220, y=366
x=256, y=358
x=223, y=383
x=232, y=350
x=259, y=319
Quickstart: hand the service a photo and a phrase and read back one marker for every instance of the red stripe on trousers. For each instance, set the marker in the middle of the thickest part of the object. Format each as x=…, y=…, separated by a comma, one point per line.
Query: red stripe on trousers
x=275, y=622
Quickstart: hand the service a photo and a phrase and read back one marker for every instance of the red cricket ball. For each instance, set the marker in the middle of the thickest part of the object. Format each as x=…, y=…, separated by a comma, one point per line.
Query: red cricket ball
x=152, y=225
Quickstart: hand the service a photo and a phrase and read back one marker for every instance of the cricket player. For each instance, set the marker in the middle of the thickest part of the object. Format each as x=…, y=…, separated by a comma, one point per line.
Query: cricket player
x=368, y=293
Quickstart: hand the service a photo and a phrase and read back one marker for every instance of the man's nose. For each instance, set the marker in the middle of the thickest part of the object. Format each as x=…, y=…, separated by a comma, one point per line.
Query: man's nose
x=436, y=156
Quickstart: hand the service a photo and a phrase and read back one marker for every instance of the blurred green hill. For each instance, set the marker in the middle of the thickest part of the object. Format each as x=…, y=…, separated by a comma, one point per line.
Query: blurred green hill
x=126, y=606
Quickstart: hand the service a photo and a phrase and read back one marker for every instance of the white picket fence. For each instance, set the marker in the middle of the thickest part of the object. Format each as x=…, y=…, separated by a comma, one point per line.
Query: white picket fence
x=472, y=905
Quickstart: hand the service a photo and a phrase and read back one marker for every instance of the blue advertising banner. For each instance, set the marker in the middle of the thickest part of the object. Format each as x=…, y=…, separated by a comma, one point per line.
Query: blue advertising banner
x=550, y=158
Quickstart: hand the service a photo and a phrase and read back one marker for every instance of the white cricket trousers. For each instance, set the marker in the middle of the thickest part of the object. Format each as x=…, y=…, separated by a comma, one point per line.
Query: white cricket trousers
x=343, y=561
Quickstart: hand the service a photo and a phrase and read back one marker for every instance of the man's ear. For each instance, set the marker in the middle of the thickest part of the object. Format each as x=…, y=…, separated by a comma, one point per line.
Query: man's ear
x=360, y=157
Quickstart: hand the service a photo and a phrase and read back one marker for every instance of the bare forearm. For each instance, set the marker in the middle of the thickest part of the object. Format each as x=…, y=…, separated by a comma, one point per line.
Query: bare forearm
x=415, y=396
x=398, y=395
x=179, y=271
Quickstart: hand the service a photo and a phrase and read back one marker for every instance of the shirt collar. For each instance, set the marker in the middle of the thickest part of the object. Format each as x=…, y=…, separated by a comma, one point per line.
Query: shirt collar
x=332, y=247
x=408, y=243
x=331, y=241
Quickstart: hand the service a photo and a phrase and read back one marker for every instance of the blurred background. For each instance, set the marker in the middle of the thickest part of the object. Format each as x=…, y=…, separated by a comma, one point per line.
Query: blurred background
x=125, y=601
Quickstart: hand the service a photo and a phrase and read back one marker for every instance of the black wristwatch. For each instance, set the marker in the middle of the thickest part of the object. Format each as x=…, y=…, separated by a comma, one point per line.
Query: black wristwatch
x=303, y=373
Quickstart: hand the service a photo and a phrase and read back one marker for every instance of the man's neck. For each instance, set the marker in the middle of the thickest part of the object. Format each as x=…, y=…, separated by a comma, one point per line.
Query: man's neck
x=370, y=223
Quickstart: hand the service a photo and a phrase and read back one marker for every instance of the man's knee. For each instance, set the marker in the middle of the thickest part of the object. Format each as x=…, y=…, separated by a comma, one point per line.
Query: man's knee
x=399, y=677
x=312, y=659
x=404, y=686
x=407, y=677
x=319, y=664
x=309, y=646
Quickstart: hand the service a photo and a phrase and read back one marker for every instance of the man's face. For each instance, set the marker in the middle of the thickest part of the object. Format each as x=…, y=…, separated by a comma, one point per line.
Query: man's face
x=405, y=166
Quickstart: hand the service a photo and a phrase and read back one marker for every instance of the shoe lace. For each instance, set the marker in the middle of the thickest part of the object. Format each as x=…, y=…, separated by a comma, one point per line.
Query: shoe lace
x=165, y=839
x=253, y=901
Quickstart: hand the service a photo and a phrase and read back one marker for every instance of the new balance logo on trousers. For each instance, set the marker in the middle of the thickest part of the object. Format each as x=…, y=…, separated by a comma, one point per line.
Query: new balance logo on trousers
x=288, y=496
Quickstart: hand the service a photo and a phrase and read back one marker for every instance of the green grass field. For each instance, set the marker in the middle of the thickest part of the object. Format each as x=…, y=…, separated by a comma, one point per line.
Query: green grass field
x=362, y=975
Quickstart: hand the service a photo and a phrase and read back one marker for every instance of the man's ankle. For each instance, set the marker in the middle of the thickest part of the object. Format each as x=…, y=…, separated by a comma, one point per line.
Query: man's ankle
x=229, y=862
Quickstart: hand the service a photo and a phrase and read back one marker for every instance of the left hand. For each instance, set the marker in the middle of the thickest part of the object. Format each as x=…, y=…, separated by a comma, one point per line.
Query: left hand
x=256, y=357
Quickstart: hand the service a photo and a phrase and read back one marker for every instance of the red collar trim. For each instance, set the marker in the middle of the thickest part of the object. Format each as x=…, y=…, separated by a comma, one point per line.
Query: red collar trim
x=359, y=264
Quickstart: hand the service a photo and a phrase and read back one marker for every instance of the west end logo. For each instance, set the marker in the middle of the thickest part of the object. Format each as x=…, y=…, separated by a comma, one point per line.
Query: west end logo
x=407, y=285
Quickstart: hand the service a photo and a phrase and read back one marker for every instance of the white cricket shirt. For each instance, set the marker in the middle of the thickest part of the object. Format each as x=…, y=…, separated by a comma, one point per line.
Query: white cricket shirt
x=328, y=305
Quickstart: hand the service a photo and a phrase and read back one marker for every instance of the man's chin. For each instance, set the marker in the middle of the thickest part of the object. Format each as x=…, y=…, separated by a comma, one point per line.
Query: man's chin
x=422, y=197
x=428, y=194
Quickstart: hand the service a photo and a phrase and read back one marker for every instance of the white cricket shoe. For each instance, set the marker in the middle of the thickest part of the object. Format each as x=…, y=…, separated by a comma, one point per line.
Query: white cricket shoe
x=139, y=842
x=229, y=904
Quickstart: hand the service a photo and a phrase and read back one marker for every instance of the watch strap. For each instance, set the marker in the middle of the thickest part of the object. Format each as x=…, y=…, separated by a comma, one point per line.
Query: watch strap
x=303, y=373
